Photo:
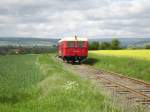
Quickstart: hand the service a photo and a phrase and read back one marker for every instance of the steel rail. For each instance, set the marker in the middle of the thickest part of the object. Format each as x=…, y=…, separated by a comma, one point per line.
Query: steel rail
x=122, y=76
x=123, y=86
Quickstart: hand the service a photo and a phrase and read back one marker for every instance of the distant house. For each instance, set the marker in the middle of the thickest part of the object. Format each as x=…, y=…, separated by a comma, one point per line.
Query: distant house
x=17, y=50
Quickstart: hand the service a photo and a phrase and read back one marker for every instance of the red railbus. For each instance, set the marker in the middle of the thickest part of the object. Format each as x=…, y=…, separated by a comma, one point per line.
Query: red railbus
x=73, y=49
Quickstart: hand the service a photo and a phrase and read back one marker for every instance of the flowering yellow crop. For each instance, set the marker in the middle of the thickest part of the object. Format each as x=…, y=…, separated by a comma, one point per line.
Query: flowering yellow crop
x=138, y=54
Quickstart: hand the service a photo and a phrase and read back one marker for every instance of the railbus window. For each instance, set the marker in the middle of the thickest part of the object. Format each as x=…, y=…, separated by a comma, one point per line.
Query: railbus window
x=70, y=44
x=80, y=44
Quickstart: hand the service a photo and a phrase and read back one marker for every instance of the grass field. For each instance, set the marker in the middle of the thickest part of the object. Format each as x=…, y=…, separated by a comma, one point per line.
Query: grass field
x=133, y=63
x=39, y=83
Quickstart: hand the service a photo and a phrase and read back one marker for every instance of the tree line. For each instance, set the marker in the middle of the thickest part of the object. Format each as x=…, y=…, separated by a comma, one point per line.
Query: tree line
x=146, y=46
x=114, y=44
x=5, y=50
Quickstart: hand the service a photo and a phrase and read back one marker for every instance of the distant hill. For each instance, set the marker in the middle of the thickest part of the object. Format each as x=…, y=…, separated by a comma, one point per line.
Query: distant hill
x=50, y=42
x=27, y=41
x=127, y=41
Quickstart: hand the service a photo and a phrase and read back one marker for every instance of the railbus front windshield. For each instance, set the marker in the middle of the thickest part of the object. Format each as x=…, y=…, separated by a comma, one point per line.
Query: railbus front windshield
x=70, y=44
x=78, y=44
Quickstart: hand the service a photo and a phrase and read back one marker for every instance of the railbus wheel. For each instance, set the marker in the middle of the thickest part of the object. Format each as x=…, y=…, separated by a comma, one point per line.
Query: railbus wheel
x=79, y=61
x=72, y=62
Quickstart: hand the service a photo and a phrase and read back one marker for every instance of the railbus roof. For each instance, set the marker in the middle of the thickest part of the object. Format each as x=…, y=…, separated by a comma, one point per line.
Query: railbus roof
x=73, y=39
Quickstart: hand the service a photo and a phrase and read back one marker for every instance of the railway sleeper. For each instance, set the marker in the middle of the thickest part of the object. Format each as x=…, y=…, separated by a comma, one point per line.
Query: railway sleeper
x=123, y=91
x=112, y=86
x=145, y=90
x=143, y=101
x=130, y=97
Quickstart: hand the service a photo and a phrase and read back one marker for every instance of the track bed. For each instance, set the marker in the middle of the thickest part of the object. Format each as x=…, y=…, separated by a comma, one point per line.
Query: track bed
x=129, y=90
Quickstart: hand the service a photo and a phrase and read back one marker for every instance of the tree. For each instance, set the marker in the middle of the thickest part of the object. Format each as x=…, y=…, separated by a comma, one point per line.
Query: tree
x=104, y=45
x=115, y=44
x=94, y=45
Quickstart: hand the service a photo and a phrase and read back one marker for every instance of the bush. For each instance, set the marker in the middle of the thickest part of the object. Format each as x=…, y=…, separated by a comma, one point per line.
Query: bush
x=104, y=46
x=132, y=47
x=147, y=46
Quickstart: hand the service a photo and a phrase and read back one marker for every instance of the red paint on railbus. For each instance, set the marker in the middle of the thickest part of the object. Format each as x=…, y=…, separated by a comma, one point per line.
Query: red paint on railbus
x=73, y=49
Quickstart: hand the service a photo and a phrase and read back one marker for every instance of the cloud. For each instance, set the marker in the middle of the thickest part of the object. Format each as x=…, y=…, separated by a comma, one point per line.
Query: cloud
x=91, y=18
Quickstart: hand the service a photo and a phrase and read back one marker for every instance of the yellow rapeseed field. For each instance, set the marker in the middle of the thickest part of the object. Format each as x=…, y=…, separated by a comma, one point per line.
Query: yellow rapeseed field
x=137, y=54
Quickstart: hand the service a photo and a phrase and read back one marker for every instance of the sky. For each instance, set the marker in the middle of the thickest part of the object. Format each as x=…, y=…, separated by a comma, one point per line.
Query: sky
x=88, y=18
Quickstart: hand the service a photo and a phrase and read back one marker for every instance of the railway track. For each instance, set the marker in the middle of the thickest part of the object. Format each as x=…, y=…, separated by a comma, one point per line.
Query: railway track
x=133, y=90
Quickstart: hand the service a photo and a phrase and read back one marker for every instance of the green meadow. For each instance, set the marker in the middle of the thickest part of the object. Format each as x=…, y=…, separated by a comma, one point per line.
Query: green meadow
x=40, y=83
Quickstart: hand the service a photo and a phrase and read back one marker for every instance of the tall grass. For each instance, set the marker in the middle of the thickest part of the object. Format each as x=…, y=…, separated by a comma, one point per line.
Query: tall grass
x=17, y=75
x=39, y=83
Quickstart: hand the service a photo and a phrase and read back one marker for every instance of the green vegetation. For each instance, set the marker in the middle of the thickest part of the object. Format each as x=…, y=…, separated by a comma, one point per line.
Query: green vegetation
x=17, y=74
x=133, y=63
x=94, y=45
x=7, y=50
x=39, y=83
x=114, y=45
x=147, y=46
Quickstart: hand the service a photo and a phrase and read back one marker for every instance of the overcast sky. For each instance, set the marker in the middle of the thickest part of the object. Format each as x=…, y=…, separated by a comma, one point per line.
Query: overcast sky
x=90, y=18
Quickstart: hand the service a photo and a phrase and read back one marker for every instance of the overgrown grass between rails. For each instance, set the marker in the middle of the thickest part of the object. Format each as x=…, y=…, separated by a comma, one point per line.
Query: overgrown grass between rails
x=38, y=83
x=131, y=67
